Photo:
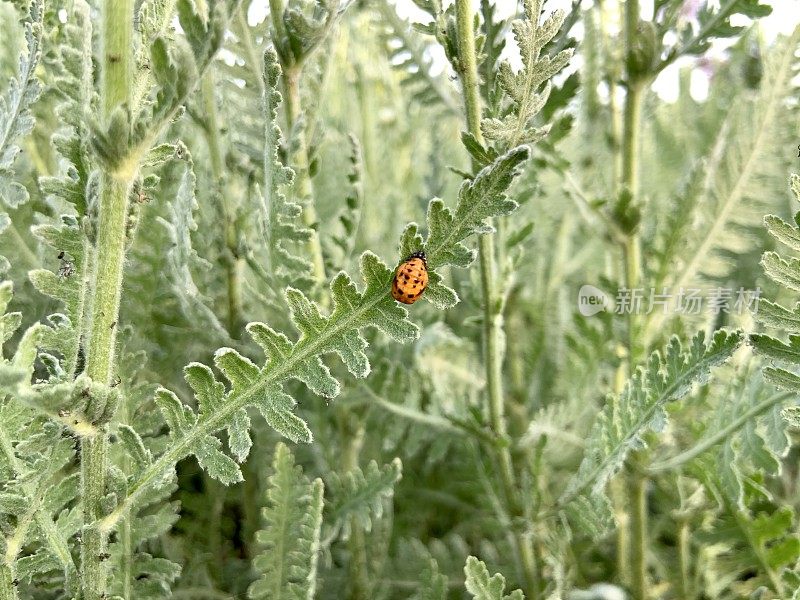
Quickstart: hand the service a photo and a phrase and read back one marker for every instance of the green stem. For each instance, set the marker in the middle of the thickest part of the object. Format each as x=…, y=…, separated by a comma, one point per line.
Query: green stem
x=276, y=8
x=631, y=250
x=359, y=580
x=684, y=559
x=234, y=262
x=492, y=304
x=300, y=163
x=637, y=492
x=8, y=591
x=117, y=39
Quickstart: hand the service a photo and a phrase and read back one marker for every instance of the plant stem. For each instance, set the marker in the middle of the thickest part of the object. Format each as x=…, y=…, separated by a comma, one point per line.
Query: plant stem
x=300, y=163
x=637, y=492
x=117, y=30
x=631, y=124
x=359, y=580
x=234, y=262
x=684, y=559
x=8, y=591
x=492, y=303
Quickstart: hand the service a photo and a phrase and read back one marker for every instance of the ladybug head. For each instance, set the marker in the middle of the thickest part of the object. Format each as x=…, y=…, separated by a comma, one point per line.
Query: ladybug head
x=418, y=254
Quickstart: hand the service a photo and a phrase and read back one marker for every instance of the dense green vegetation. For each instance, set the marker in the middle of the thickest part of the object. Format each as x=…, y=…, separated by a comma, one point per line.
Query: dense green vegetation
x=207, y=390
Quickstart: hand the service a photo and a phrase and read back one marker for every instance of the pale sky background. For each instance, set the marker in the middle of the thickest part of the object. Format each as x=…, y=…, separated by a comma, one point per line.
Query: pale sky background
x=784, y=18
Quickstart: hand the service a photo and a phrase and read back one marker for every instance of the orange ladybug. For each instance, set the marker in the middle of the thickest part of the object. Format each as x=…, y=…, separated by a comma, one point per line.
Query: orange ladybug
x=410, y=279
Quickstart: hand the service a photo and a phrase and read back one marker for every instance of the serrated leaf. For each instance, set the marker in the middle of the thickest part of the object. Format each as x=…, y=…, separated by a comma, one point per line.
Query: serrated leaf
x=523, y=87
x=485, y=587
x=478, y=200
x=16, y=118
x=321, y=332
x=640, y=407
x=290, y=540
x=434, y=584
x=279, y=217
x=359, y=494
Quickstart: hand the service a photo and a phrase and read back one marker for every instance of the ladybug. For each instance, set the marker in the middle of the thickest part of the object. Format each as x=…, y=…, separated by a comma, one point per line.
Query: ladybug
x=410, y=279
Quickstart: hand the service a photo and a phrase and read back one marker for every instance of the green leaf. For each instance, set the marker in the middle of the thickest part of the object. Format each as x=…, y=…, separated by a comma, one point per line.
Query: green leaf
x=777, y=350
x=478, y=200
x=181, y=257
x=154, y=17
x=180, y=420
x=714, y=21
x=522, y=88
x=766, y=539
x=641, y=405
x=279, y=217
x=68, y=284
x=350, y=215
x=434, y=583
x=322, y=332
x=360, y=494
x=482, y=586
x=33, y=508
x=16, y=119
x=290, y=539
x=410, y=56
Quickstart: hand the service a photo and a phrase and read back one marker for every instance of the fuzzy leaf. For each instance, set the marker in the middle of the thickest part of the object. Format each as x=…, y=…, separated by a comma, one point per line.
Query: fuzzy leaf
x=434, y=583
x=279, y=217
x=522, y=88
x=360, y=494
x=479, y=199
x=321, y=333
x=290, y=540
x=68, y=284
x=482, y=586
x=620, y=428
x=16, y=119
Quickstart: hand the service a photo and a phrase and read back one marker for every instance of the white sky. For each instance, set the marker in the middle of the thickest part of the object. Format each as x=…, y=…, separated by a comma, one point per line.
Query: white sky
x=784, y=18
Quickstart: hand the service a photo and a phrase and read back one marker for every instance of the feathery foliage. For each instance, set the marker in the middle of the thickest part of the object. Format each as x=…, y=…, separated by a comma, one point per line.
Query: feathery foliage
x=784, y=272
x=16, y=118
x=278, y=214
x=290, y=540
x=190, y=166
x=485, y=587
x=339, y=332
x=359, y=495
x=523, y=88
x=182, y=256
x=641, y=407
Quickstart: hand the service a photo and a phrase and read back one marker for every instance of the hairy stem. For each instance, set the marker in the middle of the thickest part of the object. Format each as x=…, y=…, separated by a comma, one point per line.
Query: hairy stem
x=8, y=588
x=684, y=560
x=492, y=303
x=117, y=40
x=631, y=126
x=637, y=492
